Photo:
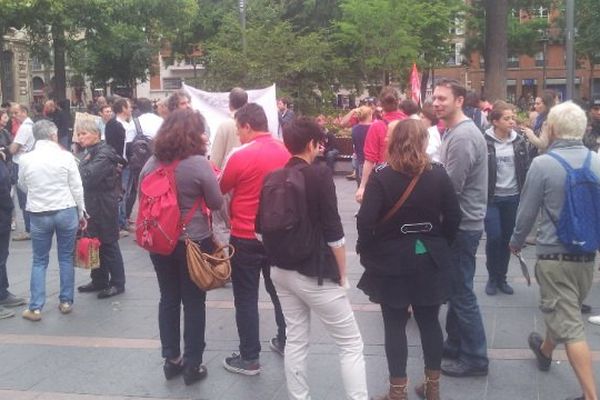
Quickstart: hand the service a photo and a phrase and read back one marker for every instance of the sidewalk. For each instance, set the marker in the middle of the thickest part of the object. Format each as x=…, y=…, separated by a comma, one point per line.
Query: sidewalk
x=109, y=349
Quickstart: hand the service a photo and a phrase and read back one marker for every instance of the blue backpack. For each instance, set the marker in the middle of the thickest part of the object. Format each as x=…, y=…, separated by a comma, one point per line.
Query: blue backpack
x=578, y=226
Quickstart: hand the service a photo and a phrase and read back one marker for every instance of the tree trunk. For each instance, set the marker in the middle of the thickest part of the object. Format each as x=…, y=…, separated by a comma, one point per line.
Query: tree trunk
x=60, y=74
x=496, y=49
x=591, y=78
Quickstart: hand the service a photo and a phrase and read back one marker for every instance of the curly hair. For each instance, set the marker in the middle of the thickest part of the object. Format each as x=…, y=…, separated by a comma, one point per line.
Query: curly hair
x=406, y=147
x=180, y=136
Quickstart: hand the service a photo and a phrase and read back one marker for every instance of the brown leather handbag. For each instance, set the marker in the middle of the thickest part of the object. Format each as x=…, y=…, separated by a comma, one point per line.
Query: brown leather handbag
x=208, y=271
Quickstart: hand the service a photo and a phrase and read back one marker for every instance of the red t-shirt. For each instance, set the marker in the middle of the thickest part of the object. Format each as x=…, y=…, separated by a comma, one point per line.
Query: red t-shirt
x=376, y=141
x=243, y=175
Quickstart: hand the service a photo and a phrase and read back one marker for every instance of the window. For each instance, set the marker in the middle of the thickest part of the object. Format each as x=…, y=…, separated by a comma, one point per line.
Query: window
x=481, y=62
x=513, y=61
x=539, y=59
x=35, y=63
x=171, y=83
x=458, y=27
x=538, y=12
x=456, y=56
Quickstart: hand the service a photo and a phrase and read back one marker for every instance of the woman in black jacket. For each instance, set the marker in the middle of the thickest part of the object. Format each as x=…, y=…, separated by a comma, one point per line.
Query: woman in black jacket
x=101, y=178
x=508, y=161
x=406, y=257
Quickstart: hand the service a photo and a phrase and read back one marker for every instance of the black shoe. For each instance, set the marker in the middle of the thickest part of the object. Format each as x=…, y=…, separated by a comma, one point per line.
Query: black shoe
x=277, y=346
x=586, y=309
x=192, y=375
x=459, y=369
x=535, y=343
x=505, y=288
x=171, y=369
x=110, y=292
x=491, y=288
x=90, y=287
x=576, y=398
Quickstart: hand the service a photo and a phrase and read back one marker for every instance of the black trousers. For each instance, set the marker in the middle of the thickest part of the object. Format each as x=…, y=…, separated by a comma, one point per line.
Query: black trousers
x=111, y=271
x=396, y=348
x=177, y=288
x=247, y=263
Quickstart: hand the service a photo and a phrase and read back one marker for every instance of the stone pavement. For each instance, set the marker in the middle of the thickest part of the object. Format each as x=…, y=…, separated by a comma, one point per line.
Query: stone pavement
x=109, y=349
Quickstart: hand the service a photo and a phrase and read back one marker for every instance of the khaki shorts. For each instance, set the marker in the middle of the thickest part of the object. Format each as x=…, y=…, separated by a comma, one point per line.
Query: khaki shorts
x=563, y=287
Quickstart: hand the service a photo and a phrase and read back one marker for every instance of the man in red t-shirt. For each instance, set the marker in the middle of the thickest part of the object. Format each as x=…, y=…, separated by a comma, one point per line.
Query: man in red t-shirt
x=242, y=176
x=376, y=141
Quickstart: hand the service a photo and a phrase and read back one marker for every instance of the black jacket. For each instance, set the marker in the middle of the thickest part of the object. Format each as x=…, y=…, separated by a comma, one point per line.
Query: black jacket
x=114, y=135
x=383, y=248
x=102, y=187
x=323, y=213
x=6, y=203
x=522, y=161
x=591, y=139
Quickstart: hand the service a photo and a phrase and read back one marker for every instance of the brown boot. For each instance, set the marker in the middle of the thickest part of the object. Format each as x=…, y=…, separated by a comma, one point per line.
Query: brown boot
x=398, y=390
x=430, y=389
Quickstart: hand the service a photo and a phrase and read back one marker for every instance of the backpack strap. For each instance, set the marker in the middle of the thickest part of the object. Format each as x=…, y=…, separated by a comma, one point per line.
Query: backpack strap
x=138, y=126
x=561, y=160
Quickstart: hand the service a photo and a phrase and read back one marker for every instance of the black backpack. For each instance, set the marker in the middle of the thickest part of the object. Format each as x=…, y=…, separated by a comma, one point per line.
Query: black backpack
x=140, y=149
x=289, y=236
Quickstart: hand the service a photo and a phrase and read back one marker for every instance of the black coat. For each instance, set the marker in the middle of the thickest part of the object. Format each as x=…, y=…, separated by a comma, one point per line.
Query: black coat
x=396, y=272
x=6, y=203
x=101, y=180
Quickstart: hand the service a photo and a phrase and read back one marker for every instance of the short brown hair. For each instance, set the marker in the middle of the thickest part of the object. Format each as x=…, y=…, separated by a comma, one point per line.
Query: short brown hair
x=406, y=147
x=180, y=136
x=498, y=109
x=389, y=99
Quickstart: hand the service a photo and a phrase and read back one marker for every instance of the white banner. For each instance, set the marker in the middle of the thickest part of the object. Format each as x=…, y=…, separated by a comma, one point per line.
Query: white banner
x=215, y=106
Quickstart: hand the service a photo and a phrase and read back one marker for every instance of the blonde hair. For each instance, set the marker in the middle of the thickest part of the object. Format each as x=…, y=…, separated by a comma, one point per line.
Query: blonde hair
x=363, y=113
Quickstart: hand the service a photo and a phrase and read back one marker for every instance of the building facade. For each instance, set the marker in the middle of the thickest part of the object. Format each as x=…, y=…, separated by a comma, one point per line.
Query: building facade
x=15, y=84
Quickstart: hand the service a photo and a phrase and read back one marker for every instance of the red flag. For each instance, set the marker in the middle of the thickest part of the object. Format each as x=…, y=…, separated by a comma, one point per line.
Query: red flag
x=415, y=83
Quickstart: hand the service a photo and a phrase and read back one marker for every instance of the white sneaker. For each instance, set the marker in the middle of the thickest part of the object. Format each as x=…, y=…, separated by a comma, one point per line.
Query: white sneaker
x=594, y=319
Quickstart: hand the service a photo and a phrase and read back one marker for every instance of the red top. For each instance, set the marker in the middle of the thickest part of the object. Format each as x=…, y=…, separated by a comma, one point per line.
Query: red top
x=243, y=175
x=15, y=127
x=376, y=141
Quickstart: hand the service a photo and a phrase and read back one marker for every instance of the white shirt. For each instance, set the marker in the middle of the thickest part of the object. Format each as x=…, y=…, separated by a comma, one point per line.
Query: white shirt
x=50, y=177
x=434, y=144
x=25, y=138
x=129, y=133
x=150, y=124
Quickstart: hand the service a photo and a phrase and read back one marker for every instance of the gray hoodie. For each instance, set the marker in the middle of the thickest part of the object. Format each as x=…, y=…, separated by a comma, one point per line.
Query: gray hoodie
x=464, y=155
x=544, y=191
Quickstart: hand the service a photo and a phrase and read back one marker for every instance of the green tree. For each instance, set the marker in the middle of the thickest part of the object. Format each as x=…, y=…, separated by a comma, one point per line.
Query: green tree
x=299, y=63
x=375, y=39
x=587, y=40
x=123, y=48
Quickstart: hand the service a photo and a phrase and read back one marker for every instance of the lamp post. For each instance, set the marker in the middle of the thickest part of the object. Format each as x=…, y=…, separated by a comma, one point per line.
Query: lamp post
x=570, y=38
x=243, y=24
x=544, y=39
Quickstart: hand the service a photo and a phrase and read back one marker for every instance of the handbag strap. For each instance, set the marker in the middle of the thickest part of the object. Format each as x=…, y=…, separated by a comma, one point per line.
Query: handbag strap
x=403, y=198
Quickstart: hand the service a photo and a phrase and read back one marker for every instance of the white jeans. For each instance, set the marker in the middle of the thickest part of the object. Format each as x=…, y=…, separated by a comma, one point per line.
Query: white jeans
x=299, y=295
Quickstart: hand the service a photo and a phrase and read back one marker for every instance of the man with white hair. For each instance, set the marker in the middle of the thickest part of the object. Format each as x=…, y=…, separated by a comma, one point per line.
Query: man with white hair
x=564, y=276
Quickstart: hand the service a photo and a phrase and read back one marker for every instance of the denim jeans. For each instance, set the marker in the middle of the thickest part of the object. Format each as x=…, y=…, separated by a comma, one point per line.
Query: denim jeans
x=4, y=244
x=499, y=224
x=464, y=325
x=43, y=226
x=177, y=288
x=126, y=186
x=246, y=265
x=330, y=158
x=300, y=295
x=111, y=271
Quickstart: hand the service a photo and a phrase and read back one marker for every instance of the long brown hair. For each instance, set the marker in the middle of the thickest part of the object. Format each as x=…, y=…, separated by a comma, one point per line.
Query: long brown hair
x=180, y=136
x=406, y=147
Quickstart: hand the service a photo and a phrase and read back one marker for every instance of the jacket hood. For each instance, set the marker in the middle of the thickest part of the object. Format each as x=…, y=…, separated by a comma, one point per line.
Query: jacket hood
x=513, y=135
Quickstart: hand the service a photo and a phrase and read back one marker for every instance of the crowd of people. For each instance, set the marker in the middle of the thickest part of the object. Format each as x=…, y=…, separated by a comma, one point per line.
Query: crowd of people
x=431, y=179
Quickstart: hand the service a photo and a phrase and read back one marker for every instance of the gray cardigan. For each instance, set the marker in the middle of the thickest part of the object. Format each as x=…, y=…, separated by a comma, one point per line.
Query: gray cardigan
x=544, y=190
x=464, y=155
